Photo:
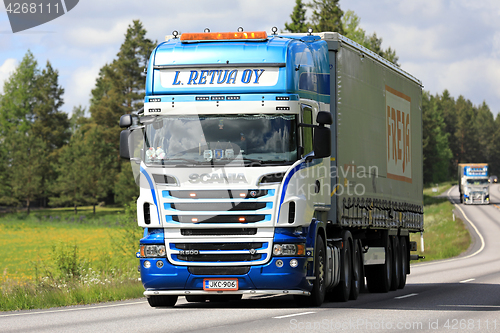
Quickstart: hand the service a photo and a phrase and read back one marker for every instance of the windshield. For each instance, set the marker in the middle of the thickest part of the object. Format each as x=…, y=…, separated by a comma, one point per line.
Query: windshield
x=221, y=139
x=477, y=181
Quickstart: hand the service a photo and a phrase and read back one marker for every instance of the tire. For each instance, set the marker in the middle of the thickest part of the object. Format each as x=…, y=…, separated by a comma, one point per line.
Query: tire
x=378, y=277
x=342, y=291
x=404, y=261
x=162, y=300
x=318, y=291
x=357, y=282
x=396, y=263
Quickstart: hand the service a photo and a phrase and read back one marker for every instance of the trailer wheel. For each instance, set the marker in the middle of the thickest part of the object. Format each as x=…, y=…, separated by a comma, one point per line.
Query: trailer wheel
x=404, y=262
x=342, y=291
x=318, y=291
x=357, y=271
x=378, y=277
x=396, y=263
x=162, y=300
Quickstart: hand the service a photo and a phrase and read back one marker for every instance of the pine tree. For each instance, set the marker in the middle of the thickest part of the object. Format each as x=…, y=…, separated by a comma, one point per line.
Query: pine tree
x=70, y=182
x=485, y=128
x=350, y=23
x=436, y=151
x=326, y=16
x=120, y=85
x=298, y=18
x=495, y=148
x=50, y=123
x=125, y=188
x=98, y=160
x=466, y=134
x=120, y=90
x=18, y=101
x=26, y=154
x=446, y=104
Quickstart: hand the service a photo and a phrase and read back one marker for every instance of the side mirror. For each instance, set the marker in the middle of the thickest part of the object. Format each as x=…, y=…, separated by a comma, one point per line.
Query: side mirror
x=324, y=118
x=322, y=142
x=125, y=121
x=124, y=146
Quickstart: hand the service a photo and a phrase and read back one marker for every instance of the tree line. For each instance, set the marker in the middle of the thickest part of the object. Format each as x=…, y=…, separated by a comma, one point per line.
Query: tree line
x=50, y=159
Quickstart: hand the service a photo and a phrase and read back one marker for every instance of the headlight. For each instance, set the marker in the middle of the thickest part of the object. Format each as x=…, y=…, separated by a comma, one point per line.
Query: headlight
x=152, y=251
x=289, y=249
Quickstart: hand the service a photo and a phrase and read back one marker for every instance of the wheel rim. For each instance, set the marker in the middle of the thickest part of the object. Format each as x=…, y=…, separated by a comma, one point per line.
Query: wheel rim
x=321, y=271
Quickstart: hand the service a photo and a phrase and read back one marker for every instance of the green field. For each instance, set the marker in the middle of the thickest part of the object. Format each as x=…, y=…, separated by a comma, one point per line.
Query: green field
x=55, y=257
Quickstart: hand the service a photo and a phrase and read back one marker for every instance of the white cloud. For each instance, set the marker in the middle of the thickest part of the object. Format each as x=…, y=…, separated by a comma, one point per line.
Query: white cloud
x=79, y=86
x=6, y=70
x=93, y=36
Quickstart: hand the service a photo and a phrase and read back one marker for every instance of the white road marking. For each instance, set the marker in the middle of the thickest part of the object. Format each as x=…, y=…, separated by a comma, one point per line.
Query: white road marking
x=472, y=306
x=293, y=315
x=69, y=309
x=465, y=281
x=405, y=296
x=475, y=229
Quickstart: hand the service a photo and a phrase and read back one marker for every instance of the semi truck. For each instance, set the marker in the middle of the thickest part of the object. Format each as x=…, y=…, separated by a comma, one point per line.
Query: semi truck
x=473, y=183
x=274, y=164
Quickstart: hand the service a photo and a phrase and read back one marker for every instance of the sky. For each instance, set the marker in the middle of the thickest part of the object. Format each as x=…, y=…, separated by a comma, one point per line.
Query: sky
x=447, y=44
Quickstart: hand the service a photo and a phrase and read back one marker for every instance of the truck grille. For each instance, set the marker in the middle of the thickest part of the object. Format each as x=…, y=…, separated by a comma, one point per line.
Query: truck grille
x=231, y=253
x=218, y=246
x=219, y=232
x=223, y=270
x=234, y=207
x=218, y=218
x=224, y=206
x=221, y=257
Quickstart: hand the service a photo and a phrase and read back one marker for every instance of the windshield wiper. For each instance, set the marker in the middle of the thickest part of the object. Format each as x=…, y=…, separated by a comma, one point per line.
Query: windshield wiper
x=191, y=161
x=259, y=162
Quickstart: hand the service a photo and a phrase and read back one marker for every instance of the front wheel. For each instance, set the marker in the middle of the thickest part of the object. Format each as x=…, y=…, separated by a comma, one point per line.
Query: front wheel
x=317, y=296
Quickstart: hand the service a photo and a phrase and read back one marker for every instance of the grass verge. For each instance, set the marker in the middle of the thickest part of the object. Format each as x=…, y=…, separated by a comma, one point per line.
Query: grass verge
x=58, y=259
x=444, y=236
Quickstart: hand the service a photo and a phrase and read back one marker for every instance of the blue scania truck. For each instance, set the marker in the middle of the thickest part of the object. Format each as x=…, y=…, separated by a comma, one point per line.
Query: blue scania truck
x=274, y=164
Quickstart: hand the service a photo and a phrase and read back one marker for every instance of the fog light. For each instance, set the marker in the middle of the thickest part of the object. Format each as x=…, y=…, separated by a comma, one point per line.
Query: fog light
x=294, y=263
x=279, y=263
x=159, y=264
x=147, y=264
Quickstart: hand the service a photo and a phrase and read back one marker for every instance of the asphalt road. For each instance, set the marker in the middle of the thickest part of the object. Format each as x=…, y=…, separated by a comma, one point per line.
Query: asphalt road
x=454, y=295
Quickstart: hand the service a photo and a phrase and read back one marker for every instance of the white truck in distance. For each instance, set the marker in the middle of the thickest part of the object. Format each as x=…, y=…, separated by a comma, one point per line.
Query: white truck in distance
x=473, y=183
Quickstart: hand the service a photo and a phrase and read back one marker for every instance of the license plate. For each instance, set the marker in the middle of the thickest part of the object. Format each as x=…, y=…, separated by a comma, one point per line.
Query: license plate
x=220, y=284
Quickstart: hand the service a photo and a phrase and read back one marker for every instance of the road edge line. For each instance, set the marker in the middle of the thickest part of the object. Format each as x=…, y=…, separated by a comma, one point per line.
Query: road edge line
x=481, y=238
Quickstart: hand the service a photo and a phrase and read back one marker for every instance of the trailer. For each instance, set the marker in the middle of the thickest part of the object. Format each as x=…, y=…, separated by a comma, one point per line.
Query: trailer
x=274, y=164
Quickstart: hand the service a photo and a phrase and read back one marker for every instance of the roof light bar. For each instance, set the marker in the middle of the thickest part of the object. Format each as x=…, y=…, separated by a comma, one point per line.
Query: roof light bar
x=218, y=36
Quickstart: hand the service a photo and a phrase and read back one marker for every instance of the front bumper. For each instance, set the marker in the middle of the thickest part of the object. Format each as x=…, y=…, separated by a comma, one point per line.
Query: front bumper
x=260, y=279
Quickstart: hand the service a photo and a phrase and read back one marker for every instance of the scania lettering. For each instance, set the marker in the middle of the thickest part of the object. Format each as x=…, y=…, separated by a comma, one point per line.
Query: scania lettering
x=217, y=178
x=274, y=164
